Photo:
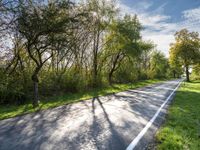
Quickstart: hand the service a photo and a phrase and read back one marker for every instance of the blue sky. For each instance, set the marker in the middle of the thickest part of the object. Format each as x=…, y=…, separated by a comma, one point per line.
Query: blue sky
x=162, y=18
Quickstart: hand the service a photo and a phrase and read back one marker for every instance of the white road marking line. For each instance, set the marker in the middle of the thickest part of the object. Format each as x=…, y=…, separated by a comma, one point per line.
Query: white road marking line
x=133, y=144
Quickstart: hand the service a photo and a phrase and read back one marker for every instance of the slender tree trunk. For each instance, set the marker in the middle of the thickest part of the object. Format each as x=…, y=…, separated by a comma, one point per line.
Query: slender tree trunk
x=174, y=73
x=95, y=59
x=187, y=73
x=36, y=94
x=110, y=76
x=95, y=72
x=35, y=86
x=113, y=69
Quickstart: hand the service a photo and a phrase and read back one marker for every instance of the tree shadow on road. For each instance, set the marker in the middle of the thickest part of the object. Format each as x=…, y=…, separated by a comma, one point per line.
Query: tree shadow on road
x=115, y=137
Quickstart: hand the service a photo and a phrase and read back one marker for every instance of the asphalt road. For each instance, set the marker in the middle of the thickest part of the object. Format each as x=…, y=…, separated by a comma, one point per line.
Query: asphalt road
x=104, y=123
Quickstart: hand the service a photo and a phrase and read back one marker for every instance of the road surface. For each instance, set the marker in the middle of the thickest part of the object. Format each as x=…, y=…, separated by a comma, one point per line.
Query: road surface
x=104, y=123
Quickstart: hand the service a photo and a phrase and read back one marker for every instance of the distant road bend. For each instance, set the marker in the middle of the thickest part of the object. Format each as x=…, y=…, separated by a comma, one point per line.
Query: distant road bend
x=115, y=122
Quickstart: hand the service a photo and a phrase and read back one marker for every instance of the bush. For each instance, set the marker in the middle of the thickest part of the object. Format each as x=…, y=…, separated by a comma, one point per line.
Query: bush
x=12, y=89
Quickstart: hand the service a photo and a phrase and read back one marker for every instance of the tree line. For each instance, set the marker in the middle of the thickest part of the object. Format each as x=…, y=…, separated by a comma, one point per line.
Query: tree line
x=53, y=47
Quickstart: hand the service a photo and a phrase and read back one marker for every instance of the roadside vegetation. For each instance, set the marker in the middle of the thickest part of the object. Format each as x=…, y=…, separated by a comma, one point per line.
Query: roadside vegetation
x=182, y=127
x=8, y=111
x=58, y=52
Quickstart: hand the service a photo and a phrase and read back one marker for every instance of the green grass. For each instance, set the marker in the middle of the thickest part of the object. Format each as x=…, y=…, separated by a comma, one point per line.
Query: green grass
x=182, y=128
x=9, y=111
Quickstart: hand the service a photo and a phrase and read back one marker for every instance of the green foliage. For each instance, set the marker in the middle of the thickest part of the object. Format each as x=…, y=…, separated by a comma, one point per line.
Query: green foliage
x=125, y=75
x=158, y=65
x=125, y=47
x=196, y=72
x=12, y=89
x=185, y=51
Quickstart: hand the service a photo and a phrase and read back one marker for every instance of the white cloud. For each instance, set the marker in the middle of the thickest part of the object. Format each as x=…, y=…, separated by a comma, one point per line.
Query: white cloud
x=143, y=5
x=158, y=28
x=192, y=14
x=161, y=40
x=192, y=19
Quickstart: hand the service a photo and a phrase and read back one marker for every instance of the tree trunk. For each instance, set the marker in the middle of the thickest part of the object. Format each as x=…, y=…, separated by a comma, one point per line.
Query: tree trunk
x=95, y=56
x=36, y=95
x=95, y=73
x=113, y=69
x=187, y=73
x=174, y=73
x=110, y=77
x=35, y=86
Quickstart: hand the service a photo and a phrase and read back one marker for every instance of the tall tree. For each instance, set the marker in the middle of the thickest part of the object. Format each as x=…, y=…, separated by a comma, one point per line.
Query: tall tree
x=102, y=14
x=124, y=41
x=40, y=24
x=186, y=49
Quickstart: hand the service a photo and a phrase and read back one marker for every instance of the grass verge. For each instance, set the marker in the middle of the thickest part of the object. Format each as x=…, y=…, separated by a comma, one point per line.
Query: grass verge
x=9, y=111
x=181, y=130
